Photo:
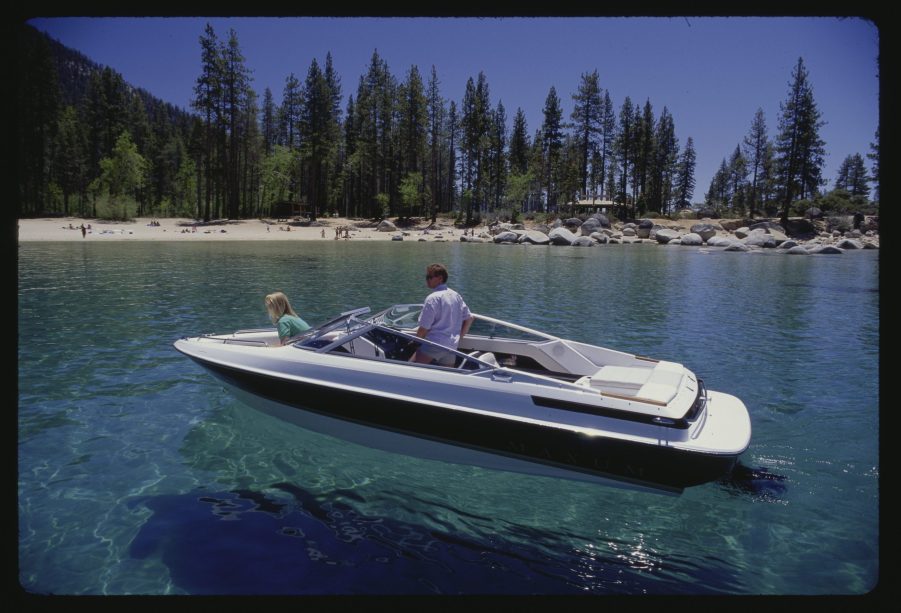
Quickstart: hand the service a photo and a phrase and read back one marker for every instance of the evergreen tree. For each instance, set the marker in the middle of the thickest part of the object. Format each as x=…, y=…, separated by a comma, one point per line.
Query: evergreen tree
x=737, y=178
x=497, y=157
x=452, y=130
x=626, y=148
x=873, y=156
x=519, y=144
x=664, y=164
x=123, y=175
x=552, y=146
x=435, y=138
x=685, y=179
x=207, y=95
x=602, y=169
x=800, y=151
x=70, y=160
x=289, y=116
x=646, y=127
x=852, y=176
x=319, y=129
x=587, y=116
x=755, y=147
x=475, y=126
x=718, y=194
x=269, y=127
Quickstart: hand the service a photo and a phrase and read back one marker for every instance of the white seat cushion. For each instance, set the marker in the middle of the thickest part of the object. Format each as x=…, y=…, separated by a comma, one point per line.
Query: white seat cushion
x=621, y=376
x=664, y=382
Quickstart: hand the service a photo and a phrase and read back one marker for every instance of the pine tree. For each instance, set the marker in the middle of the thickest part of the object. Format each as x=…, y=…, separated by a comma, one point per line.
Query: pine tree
x=435, y=138
x=737, y=179
x=755, y=147
x=552, y=146
x=800, y=151
x=852, y=176
x=269, y=127
x=587, y=116
x=685, y=179
x=873, y=156
x=626, y=149
x=646, y=127
x=207, y=95
x=497, y=157
x=519, y=144
x=70, y=157
x=664, y=164
x=605, y=152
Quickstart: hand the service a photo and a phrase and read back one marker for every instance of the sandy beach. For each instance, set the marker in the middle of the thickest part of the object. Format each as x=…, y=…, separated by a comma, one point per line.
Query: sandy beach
x=175, y=229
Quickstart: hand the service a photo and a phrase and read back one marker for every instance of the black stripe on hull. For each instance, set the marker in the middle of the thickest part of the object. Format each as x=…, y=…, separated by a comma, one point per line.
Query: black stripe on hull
x=636, y=463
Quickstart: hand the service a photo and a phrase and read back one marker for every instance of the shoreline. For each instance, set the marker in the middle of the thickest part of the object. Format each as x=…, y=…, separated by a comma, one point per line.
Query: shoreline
x=184, y=229
x=719, y=232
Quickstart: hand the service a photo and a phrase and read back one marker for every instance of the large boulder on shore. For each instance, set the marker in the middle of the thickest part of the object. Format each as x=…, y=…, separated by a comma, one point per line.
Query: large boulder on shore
x=691, y=239
x=721, y=241
x=561, y=236
x=767, y=226
x=705, y=230
x=800, y=228
x=825, y=250
x=386, y=226
x=605, y=223
x=643, y=230
x=590, y=225
x=534, y=237
x=666, y=235
x=849, y=243
x=583, y=241
x=759, y=238
x=507, y=236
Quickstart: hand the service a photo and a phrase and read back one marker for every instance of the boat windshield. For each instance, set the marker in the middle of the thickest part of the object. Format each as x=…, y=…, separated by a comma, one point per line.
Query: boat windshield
x=344, y=320
x=406, y=317
x=402, y=316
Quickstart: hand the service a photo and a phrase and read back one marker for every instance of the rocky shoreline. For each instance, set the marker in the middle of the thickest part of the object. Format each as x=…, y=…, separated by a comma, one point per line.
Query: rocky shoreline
x=801, y=237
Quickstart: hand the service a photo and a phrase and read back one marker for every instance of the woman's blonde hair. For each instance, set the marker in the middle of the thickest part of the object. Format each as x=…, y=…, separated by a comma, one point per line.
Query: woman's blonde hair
x=277, y=304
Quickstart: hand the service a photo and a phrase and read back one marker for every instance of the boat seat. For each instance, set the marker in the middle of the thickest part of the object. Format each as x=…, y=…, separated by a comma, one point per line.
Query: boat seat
x=486, y=357
x=489, y=358
x=659, y=383
x=621, y=376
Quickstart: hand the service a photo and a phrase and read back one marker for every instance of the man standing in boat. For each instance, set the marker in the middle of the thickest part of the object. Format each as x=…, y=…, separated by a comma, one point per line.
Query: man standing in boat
x=444, y=319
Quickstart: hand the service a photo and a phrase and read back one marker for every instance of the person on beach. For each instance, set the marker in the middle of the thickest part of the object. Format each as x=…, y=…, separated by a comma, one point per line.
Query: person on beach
x=83, y=231
x=444, y=319
x=283, y=316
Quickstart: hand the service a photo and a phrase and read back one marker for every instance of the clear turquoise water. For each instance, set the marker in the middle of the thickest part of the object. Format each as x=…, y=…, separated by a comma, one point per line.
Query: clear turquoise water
x=139, y=474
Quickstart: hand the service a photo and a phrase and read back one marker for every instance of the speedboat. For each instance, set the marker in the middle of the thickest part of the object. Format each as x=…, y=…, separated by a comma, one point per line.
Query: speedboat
x=514, y=399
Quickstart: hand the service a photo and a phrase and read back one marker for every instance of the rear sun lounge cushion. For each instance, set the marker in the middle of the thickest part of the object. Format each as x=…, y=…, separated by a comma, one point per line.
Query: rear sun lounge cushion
x=660, y=383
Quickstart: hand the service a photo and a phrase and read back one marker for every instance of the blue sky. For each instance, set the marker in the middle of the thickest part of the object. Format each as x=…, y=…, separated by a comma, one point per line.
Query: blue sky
x=712, y=74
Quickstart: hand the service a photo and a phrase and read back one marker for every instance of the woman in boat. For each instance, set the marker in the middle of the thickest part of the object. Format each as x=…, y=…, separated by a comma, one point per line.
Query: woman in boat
x=288, y=322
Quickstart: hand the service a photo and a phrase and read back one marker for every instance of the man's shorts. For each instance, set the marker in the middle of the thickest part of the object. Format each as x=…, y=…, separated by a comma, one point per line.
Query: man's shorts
x=443, y=357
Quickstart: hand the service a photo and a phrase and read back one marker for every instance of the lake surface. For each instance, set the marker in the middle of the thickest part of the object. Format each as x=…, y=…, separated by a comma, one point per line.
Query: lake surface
x=139, y=474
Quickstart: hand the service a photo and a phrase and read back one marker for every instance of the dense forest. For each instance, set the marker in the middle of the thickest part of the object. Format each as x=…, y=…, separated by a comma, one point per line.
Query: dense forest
x=89, y=144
